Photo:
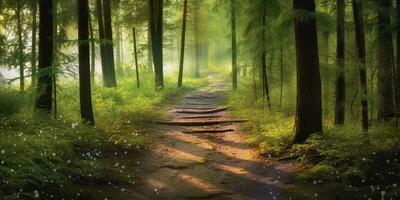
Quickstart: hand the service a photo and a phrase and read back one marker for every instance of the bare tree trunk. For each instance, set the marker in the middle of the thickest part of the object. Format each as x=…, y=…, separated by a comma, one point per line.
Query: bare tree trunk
x=150, y=66
x=264, y=75
x=234, y=51
x=55, y=61
x=34, y=36
x=111, y=79
x=156, y=15
x=197, y=41
x=397, y=71
x=281, y=74
x=84, y=62
x=103, y=51
x=44, y=89
x=340, y=61
x=93, y=52
x=360, y=45
x=309, y=105
x=183, y=36
x=21, y=61
x=136, y=59
x=385, y=61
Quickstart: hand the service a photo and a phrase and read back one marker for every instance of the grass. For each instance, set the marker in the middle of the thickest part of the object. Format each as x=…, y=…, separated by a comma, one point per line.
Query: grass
x=42, y=158
x=342, y=163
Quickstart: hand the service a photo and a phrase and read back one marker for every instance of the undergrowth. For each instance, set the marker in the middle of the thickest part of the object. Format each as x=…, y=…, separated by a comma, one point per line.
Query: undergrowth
x=342, y=163
x=63, y=158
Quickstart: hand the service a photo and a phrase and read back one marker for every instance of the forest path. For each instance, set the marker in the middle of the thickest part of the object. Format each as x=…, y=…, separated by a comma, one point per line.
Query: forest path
x=205, y=162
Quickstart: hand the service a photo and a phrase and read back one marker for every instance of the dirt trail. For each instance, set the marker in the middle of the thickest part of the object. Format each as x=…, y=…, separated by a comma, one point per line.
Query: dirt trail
x=205, y=162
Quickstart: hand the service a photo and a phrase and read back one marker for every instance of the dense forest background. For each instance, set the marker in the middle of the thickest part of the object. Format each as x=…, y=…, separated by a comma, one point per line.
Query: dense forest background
x=81, y=81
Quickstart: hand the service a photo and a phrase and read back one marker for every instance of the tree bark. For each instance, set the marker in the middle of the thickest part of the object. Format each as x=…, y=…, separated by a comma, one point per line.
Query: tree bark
x=309, y=106
x=21, y=59
x=103, y=51
x=111, y=79
x=84, y=62
x=183, y=36
x=397, y=69
x=234, y=51
x=197, y=41
x=45, y=78
x=360, y=45
x=385, y=61
x=136, y=59
x=340, y=61
x=34, y=55
x=264, y=71
x=150, y=66
x=156, y=26
x=93, y=52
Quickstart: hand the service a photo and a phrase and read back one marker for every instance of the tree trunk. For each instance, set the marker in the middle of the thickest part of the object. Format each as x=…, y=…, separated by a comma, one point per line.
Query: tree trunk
x=34, y=55
x=93, y=52
x=309, y=106
x=45, y=78
x=197, y=41
x=103, y=53
x=281, y=74
x=183, y=35
x=340, y=61
x=234, y=52
x=118, y=38
x=55, y=61
x=156, y=21
x=111, y=79
x=84, y=62
x=385, y=61
x=21, y=61
x=150, y=66
x=136, y=59
x=264, y=75
x=360, y=45
x=397, y=71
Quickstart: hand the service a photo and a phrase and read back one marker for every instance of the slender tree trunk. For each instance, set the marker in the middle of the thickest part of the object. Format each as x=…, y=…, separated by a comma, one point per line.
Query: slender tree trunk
x=55, y=61
x=183, y=36
x=309, y=106
x=112, y=81
x=385, y=61
x=93, y=52
x=21, y=61
x=84, y=62
x=150, y=66
x=156, y=21
x=397, y=71
x=281, y=74
x=234, y=51
x=340, y=61
x=118, y=39
x=264, y=75
x=34, y=36
x=325, y=42
x=136, y=59
x=44, y=89
x=197, y=45
x=360, y=45
x=103, y=51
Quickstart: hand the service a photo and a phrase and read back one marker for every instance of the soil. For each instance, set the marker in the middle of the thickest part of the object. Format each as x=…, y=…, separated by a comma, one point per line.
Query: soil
x=205, y=162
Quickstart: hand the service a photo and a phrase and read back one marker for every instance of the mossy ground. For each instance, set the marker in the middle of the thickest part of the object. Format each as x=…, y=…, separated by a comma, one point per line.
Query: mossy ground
x=342, y=163
x=43, y=158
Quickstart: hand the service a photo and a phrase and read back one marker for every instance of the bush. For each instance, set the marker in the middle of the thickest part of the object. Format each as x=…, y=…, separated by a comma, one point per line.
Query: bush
x=11, y=102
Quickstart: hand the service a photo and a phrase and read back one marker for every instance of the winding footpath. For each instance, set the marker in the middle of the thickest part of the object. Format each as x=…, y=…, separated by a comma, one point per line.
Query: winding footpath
x=200, y=153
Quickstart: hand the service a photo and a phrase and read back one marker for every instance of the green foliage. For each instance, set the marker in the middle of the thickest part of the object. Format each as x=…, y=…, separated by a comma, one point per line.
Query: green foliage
x=347, y=163
x=11, y=102
x=46, y=157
